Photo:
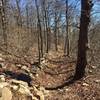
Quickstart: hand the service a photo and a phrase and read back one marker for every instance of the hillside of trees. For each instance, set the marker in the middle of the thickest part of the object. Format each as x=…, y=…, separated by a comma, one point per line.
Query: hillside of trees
x=49, y=50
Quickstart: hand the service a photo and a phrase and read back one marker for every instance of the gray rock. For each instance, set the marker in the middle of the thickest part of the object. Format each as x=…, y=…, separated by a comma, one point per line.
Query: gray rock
x=1, y=59
x=97, y=81
x=93, y=67
x=2, y=78
x=26, y=69
x=13, y=81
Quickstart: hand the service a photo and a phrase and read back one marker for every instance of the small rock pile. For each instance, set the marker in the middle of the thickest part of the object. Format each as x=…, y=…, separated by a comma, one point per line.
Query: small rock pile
x=12, y=87
x=15, y=88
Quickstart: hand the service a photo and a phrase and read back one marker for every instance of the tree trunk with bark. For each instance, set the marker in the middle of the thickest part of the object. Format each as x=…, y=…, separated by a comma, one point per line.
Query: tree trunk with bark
x=4, y=21
x=55, y=33
x=86, y=6
x=40, y=39
x=66, y=46
x=46, y=24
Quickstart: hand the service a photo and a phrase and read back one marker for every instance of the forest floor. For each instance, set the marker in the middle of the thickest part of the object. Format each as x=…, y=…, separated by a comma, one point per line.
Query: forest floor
x=59, y=71
x=56, y=70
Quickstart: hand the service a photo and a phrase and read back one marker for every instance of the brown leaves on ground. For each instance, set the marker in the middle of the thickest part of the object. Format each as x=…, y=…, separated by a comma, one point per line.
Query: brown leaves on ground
x=56, y=69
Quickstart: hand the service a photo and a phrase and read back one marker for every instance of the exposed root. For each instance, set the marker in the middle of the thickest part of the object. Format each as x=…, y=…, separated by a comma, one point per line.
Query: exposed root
x=67, y=83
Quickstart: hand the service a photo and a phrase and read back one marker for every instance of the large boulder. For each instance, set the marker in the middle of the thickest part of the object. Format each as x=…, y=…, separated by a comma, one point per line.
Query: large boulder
x=5, y=94
x=3, y=84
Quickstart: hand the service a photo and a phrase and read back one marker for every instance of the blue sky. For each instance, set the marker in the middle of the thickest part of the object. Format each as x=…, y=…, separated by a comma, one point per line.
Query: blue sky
x=96, y=7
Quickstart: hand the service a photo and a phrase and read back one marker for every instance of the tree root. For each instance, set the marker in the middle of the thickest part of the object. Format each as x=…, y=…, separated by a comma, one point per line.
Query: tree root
x=67, y=83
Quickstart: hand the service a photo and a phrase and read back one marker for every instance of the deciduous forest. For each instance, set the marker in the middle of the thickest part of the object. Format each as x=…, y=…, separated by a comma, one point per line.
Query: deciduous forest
x=49, y=49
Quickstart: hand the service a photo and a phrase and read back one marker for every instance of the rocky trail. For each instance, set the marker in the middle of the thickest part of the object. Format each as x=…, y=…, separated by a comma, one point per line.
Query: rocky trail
x=22, y=82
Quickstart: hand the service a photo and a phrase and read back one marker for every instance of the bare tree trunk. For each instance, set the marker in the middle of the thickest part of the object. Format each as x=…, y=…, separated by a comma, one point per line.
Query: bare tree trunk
x=55, y=33
x=46, y=24
x=19, y=13
x=44, y=35
x=66, y=46
x=47, y=39
x=19, y=25
x=29, y=26
x=3, y=20
x=40, y=39
x=49, y=29
x=27, y=17
x=86, y=6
